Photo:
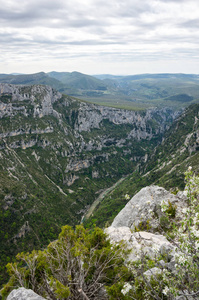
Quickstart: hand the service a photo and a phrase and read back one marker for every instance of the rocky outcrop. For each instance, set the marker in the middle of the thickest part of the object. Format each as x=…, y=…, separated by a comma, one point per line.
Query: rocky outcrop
x=23, y=231
x=146, y=246
x=140, y=243
x=24, y=294
x=145, y=208
x=24, y=99
x=77, y=165
x=23, y=131
x=69, y=180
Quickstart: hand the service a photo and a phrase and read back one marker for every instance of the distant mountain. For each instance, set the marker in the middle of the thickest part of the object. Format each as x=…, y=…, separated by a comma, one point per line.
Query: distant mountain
x=37, y=78
x=135, y=92
x=78, y=80
x=147, y=75
x=17, y=74
x=108, y=76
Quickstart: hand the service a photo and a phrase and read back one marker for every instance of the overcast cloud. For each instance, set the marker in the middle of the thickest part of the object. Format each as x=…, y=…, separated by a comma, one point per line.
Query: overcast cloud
x=99, y=36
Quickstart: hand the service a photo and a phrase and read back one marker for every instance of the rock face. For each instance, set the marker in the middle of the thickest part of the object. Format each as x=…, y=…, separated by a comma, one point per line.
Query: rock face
x=40, y=117
x=24, y=294
x=90, y=116
x=36, y=102
x=40, y=97
x=145, y=208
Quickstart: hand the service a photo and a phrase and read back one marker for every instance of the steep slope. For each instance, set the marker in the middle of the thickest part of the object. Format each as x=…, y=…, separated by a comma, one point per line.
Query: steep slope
x=57, y=154
x=165, y=166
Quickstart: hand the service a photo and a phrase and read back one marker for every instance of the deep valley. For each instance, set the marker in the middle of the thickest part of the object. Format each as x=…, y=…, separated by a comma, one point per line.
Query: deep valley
x=59, y=153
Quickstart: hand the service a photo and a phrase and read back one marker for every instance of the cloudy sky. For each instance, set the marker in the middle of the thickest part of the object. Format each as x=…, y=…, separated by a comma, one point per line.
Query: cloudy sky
x=99, y=36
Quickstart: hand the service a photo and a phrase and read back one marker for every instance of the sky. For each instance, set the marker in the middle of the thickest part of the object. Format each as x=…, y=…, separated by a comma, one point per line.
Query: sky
x=119, y=37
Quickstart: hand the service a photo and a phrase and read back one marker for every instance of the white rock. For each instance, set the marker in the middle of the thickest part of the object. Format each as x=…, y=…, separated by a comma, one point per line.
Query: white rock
x=143, y=205
x=118, y=234
x=24, y=294
x=140, y=242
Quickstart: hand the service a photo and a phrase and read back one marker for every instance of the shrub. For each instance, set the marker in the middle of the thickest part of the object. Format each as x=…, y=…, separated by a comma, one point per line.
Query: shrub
x=79, y=264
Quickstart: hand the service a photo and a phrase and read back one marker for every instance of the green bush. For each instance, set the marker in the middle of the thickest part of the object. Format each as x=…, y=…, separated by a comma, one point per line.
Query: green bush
x=79, y=264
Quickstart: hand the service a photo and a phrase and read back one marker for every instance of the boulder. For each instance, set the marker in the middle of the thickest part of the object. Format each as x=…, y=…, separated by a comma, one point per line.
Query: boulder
x=24, y=294
x=145, y=208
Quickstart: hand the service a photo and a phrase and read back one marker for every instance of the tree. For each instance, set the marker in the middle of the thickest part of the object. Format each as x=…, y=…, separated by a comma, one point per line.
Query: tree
x=79, y=265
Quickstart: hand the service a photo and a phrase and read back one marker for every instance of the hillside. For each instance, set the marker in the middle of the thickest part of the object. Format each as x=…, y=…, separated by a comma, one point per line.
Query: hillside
x=78, y=81
x=165, y=167
x=57, y=154
x=28, y=79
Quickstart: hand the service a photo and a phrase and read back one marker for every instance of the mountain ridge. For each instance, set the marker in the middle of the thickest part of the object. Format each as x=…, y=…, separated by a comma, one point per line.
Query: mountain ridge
x=136, y=92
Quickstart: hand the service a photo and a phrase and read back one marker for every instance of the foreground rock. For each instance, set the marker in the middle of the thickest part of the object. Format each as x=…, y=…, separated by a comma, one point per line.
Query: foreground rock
x=144, y=209
x=141, y=243
x=140, y=223
x=24, y=294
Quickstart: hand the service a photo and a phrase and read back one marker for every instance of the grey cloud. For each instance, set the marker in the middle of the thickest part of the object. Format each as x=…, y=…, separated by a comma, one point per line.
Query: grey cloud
x=129, y=9
x=194, y=23
x=93, y=42
x=14, y=40
x=31, y=9
x=28, y=21
x=44, y=13
x=10, y=39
